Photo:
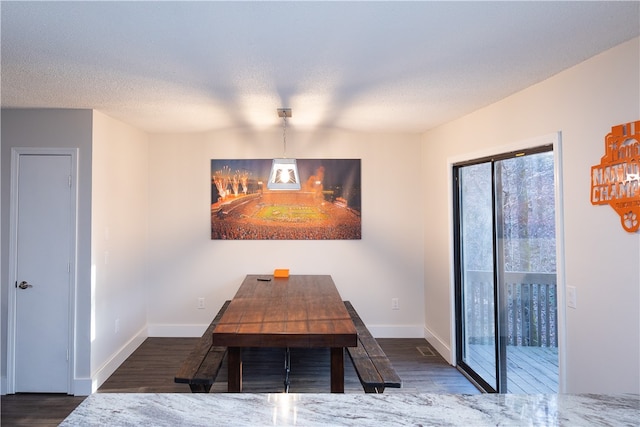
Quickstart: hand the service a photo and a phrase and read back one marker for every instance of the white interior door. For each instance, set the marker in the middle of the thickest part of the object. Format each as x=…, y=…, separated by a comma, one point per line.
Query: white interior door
x=43, y=245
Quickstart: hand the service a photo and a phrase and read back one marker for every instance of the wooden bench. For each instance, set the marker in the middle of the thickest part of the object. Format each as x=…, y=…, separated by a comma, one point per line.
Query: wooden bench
x=372, y=366
x=201, y=367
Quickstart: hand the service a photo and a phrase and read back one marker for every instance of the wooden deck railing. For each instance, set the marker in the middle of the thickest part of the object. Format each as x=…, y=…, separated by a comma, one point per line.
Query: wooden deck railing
x=531, y=308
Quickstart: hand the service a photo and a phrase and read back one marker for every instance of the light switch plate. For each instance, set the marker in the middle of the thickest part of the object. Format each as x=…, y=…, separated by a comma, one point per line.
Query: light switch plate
x=572, y=298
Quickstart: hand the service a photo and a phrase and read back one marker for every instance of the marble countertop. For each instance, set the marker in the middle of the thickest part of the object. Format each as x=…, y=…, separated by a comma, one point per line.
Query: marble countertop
x=402, y=409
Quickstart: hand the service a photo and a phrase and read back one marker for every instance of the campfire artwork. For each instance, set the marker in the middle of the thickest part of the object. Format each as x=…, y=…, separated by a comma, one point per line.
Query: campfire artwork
x=327, y=207
x=616, y=180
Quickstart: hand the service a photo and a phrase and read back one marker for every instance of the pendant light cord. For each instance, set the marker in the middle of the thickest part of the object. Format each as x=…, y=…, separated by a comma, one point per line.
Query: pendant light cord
x=284, y=135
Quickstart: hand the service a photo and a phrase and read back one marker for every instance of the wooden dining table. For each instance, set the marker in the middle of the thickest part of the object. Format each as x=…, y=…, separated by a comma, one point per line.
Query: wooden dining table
x=296, y=311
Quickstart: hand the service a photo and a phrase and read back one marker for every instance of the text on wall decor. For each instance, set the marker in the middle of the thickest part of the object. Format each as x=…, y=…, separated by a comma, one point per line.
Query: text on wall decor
x=616, y=180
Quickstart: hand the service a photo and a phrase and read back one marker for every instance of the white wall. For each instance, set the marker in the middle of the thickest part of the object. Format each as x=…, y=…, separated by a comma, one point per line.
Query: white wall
x=120, y=216
x=185, y=264
x=601, y=259
x=56, y=129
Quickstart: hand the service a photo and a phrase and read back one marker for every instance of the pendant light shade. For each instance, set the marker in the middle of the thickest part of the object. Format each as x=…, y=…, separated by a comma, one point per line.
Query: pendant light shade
x=284, y=175
x=284, y=171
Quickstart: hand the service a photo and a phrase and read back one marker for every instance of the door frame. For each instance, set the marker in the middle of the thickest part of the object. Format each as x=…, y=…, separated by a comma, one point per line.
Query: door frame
x=16, y=152
x=555, y=139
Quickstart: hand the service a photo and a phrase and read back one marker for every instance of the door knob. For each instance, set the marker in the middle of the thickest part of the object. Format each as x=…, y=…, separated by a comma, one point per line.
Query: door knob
x=24, y=285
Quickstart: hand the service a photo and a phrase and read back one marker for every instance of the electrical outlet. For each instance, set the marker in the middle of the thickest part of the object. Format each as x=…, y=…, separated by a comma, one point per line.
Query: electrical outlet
x=200, y=303
x=572, y=298
x=117, y=327
x=395, y=304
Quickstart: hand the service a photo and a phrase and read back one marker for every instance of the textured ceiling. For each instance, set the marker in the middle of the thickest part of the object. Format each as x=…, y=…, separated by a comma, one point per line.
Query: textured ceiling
x=367, y=66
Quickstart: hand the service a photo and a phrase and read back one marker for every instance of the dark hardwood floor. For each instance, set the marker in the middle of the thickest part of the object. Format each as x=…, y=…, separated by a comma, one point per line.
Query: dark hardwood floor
x=150, y=369
x=36, y=410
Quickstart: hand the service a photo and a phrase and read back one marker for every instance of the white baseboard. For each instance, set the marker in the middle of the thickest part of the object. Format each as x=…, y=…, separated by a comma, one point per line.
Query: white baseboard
x=3, y=385
x=196, y=331
x=176, y=331
x=396, y=331
x=82, y=386
x=440, y=346
x=105, y=371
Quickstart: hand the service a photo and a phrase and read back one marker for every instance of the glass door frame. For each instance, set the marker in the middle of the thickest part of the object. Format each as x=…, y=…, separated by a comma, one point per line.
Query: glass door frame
x=498, y=267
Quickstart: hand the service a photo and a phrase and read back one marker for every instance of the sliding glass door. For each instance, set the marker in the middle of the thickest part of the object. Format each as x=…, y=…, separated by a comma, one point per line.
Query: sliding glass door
x=506, y=305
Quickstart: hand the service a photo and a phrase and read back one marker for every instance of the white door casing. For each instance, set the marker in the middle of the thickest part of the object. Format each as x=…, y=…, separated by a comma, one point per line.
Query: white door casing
x=42, y=270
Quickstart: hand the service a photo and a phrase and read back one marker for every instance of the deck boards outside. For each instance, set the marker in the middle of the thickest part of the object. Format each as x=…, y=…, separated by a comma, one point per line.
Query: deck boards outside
x=530, y=370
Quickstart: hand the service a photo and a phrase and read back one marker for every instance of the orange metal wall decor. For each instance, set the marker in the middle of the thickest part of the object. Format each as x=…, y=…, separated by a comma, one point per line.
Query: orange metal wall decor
x=616, y=180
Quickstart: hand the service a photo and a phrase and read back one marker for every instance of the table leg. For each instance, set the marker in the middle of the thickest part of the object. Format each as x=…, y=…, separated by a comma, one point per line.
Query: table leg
x=234, y=358
x=337, y=370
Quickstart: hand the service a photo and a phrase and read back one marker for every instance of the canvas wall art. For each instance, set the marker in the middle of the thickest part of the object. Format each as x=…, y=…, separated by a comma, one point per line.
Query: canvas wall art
x=327, y=207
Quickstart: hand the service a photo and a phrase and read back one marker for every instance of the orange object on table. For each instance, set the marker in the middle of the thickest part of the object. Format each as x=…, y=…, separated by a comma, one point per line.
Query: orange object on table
x=281, y=272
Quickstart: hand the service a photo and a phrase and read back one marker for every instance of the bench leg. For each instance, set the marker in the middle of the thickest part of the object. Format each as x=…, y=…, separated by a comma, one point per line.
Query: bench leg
x=200, y=388
x=337, y=370
x=234, y=358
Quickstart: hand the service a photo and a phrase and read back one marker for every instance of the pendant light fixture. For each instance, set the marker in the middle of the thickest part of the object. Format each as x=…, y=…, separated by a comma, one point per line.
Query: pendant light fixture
x=284, y=171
